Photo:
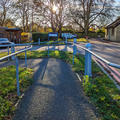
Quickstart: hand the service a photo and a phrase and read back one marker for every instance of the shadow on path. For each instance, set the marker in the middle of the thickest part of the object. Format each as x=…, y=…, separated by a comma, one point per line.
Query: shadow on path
x=56, y=94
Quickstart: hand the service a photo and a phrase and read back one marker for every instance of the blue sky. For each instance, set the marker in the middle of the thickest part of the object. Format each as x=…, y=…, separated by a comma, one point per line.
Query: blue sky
x=117, y=1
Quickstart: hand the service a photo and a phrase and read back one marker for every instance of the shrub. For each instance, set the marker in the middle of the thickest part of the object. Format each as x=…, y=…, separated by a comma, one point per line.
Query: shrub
x=42, y=36
x=25, y=37
x=101, y=33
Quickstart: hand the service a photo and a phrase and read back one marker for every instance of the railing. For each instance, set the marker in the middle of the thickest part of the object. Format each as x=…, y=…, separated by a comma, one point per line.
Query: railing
x=100, y=58
x=13, y=56
x=87, y=49
x=17, y=64
x=88, y=58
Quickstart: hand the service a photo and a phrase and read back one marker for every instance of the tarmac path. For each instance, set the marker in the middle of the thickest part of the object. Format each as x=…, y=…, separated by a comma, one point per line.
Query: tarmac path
x=56, y=94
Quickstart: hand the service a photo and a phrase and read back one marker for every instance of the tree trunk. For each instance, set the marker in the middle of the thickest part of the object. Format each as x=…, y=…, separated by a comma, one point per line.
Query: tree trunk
x=23, y=22
x=60, y=30
x=86, y=26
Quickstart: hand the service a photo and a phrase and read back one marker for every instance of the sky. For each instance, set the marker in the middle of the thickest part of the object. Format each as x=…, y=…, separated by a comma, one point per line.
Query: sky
x=117, y=2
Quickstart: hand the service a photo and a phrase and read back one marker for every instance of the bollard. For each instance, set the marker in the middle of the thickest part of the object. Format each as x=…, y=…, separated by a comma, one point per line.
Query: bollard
x=74, y=48
x=88, y=61
x=25, y=58
x=17, y=77
x=38, y=41
x=13, y=50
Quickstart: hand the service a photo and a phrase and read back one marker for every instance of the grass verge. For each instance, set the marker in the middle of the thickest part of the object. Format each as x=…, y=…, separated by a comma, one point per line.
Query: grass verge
x=79, y=40
x=52, y=42
x=2, y=54
x=99, y=88
x=8, y=94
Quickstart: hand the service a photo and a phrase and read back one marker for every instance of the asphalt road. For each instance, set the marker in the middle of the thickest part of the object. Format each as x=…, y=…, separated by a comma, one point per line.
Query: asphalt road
x=108, y=50
x=55, y=95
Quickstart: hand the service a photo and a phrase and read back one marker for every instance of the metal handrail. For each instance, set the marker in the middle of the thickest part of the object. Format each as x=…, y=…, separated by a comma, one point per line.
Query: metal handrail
x=17, y=64
x=100, y=58
x=28, y=44
x=13, y=54
x=87, y=59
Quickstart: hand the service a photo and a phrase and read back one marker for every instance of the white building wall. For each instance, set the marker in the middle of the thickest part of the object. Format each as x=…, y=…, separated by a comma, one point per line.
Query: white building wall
x=118, y=33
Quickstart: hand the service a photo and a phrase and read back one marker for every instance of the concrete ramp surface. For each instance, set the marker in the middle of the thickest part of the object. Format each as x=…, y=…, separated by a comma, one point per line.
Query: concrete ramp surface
x=56, y=94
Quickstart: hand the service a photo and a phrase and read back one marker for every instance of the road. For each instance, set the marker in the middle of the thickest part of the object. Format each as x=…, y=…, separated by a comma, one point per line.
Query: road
x=108, y=50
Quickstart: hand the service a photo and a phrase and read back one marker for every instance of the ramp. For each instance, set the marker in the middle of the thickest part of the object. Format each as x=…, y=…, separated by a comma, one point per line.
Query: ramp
x=56, y=94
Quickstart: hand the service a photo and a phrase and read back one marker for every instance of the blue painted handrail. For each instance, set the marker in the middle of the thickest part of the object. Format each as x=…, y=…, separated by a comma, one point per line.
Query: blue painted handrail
x=13, y=54
x=88, y=57
x=17, y=64
x=100, y=58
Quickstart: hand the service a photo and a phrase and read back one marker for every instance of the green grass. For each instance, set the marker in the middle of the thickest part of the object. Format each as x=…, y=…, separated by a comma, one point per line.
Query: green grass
x=2, y=54
x=100, y=89
x=104, y=94
x=52, y=42
x=62, y=42
x=8, y=93
x=79, y=40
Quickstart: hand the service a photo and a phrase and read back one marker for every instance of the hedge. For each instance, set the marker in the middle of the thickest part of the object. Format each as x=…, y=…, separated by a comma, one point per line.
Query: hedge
x=90, y=34
x=42, y=36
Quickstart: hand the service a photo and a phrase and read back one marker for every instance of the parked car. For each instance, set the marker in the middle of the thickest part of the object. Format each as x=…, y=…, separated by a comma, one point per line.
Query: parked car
x=5, y=41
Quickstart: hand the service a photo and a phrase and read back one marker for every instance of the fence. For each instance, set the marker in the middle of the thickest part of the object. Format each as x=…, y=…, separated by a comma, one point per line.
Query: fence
x=88, y=57
x=13, y=55
x=67, y=36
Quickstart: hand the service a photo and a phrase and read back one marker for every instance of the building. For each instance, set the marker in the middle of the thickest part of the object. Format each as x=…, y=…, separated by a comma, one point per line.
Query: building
x=13, y=34
x=113, y=31
x=3, y=33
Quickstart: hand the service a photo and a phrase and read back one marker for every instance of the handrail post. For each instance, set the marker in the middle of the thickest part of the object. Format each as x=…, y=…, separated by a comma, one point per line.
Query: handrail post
x=74, y=48
x=17, y=76
x=8, y=52
x=88, y=61
x=48, y=44
x=13, y=50
x=66, y=39
x=38, y=41
x=25, y=58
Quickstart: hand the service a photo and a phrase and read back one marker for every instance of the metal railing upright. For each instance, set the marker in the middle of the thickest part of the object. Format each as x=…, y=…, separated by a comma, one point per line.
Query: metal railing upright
x=88, y=57
x=87, y=49
x=17, y=64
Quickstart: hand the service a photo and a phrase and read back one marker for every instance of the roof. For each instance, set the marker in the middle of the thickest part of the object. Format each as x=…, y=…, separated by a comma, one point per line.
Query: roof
x=13, y=29
x=3, y=27
x=114, y=24
x=10, y=29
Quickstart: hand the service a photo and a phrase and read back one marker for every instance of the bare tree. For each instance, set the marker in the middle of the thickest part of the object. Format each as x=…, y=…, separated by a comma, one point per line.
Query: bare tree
x=52, y=12
x=5, y=5
x=21, y=13
x=85, y=12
